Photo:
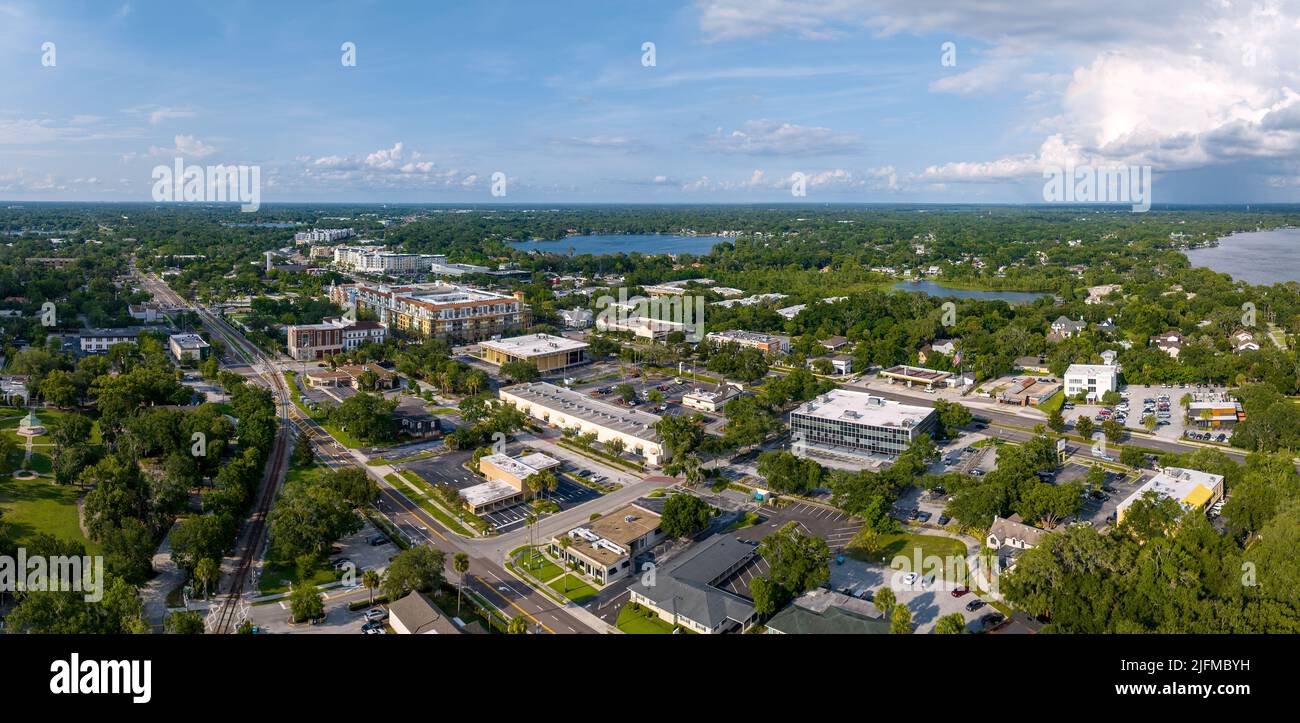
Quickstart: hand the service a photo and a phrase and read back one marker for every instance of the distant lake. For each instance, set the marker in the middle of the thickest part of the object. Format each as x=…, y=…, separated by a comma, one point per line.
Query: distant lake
x=933, y=289
x=1257, y=257
x=646, y=243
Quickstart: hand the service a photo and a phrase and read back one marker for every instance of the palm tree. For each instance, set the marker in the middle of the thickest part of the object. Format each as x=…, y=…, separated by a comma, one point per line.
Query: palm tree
x=460, y=563
x=207, y=571
x=693, y=469
x=371, y=580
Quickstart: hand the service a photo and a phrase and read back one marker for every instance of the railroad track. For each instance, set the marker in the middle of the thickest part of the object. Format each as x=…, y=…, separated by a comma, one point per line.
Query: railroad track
x=255, y=530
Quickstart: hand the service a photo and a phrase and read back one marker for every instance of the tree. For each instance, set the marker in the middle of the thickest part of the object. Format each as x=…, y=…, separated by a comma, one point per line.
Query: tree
x=305, y=603
x=885, y=601
x=767, y=595
x=1113, y=430
x=128, y=550
x=419, y=568
x=460, y=563
x=950, y=624
x=679, y=434
x=616, y=446
x=797, y=562
x=208, y=572
x=372, y=581
x=58, y=389
x=303, y=456
x=1132, y=456
x=518, y=625
x=519, y=371
x=185, y=622
x=1150, y=422
x=1056, y=420
x=684, y=515
x=900, y=620
x=1084, y=426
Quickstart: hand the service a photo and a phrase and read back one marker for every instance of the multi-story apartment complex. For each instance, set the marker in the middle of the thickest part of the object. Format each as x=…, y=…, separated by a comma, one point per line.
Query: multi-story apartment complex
x=377, y=260
x=322, y=235
x=766, y=343
x=445, y=311
x=842, y=423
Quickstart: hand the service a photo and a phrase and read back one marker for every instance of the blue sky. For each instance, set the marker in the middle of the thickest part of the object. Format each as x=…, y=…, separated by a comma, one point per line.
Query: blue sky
x=743, y=94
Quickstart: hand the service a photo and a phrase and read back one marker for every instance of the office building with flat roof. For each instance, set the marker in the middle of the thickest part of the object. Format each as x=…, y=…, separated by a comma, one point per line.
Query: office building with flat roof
x=566, y=409
x=1190, y=488
x=606, y=548
x=548, y=353
x=188, y=347
x=767, y=343
x=843, y=423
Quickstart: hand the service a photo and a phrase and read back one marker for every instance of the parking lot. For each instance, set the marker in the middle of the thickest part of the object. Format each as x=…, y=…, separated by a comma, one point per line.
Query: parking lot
x=1175, y=425
x=834, y=526
x=926, y=604
x=567, y=494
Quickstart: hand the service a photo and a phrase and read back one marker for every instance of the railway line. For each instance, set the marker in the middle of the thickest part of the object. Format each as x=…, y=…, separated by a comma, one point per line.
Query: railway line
x=487, y=579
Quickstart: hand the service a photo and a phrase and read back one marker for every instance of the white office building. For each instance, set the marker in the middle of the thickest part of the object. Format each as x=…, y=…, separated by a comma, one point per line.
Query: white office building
x=845, y=424
x=1091, y=379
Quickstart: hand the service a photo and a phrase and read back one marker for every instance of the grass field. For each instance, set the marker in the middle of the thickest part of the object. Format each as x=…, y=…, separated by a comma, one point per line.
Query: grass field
x=907, y=547
x=540, y=567
x=277, y=578
x=39, y=506
x=641, y=622
x=573, y=587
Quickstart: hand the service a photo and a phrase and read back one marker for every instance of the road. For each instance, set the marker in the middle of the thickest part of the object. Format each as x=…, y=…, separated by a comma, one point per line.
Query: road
x=487, y=577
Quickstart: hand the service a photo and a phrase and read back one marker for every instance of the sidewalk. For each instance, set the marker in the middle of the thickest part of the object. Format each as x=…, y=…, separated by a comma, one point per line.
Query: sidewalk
x=154, y=593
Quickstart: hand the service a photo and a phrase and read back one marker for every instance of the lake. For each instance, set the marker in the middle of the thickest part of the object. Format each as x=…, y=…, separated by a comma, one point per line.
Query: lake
x=1257, y=257
x=933, y=289
x=646, y=243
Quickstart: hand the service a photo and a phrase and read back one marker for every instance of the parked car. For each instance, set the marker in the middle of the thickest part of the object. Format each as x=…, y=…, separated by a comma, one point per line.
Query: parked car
x=960, y=591
x=376, y=613
x=944, y=519
x=974, y=605
x=910, y=578
x=923, y=516
x=992, y=619
x=377, y=540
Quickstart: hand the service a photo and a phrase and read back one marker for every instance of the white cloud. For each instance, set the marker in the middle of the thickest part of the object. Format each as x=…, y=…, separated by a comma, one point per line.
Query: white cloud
x=186, y=147
x=768, y=138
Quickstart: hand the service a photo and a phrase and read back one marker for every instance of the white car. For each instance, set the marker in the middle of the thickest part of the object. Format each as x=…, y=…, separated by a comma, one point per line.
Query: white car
x=910, y=578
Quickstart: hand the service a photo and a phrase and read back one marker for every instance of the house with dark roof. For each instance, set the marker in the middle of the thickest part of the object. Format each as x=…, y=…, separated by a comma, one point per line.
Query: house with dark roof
x=1067, y=327
x=692, y=591
x=1171, y=342
x=826, y=612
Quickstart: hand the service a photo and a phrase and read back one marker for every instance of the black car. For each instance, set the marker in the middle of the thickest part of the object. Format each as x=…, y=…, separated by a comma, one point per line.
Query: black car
x=992, y=619
x=943, y=520
x=974, y=605
x=378, y=540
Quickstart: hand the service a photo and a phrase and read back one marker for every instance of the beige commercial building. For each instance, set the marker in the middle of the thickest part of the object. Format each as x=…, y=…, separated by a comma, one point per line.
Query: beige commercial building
x=505, y=477
x=606, y=548
x=548, y=353
x=566, y=409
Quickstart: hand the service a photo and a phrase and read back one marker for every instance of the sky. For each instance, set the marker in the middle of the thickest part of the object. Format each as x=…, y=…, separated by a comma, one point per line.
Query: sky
x=622, y=101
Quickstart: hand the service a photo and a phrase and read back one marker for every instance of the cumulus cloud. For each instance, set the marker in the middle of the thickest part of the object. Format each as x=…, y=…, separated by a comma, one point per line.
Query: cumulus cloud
x=185, y=147
x=389, y=168
x=768, y=138
x=1174, y=85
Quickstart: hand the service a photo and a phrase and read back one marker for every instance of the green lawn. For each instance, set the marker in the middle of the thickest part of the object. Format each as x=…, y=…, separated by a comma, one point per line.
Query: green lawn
x=39, y=506
x=277, y=578
x=540, y=567
x=1053, y=403
x=40, y=462
x=905, y=545
x=641, y=622
x=425, y=502
x=573, y=587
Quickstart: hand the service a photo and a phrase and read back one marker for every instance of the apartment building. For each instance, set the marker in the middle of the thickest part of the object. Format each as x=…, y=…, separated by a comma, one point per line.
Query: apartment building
x=377, y=260
x=444, y=311
x=322, y=235
x=767, y=343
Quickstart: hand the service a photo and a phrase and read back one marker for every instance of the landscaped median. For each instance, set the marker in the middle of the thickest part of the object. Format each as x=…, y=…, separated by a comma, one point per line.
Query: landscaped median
x=548, y=577
x=422, y=498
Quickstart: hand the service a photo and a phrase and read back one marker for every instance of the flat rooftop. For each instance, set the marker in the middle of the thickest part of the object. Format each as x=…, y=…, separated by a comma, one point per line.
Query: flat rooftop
x=189, y=341
x=487, y=493
x=746, y=336
x=534, y=345
x=522, y=467
x=608, y=539
x=1090, y=370
x=863, y=408
x=632, y=422
x=910, y=372
x=1187, y=486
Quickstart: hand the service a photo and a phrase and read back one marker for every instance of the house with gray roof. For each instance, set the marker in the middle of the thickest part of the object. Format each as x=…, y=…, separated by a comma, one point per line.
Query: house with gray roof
x=826, y=612
x=693, y=591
